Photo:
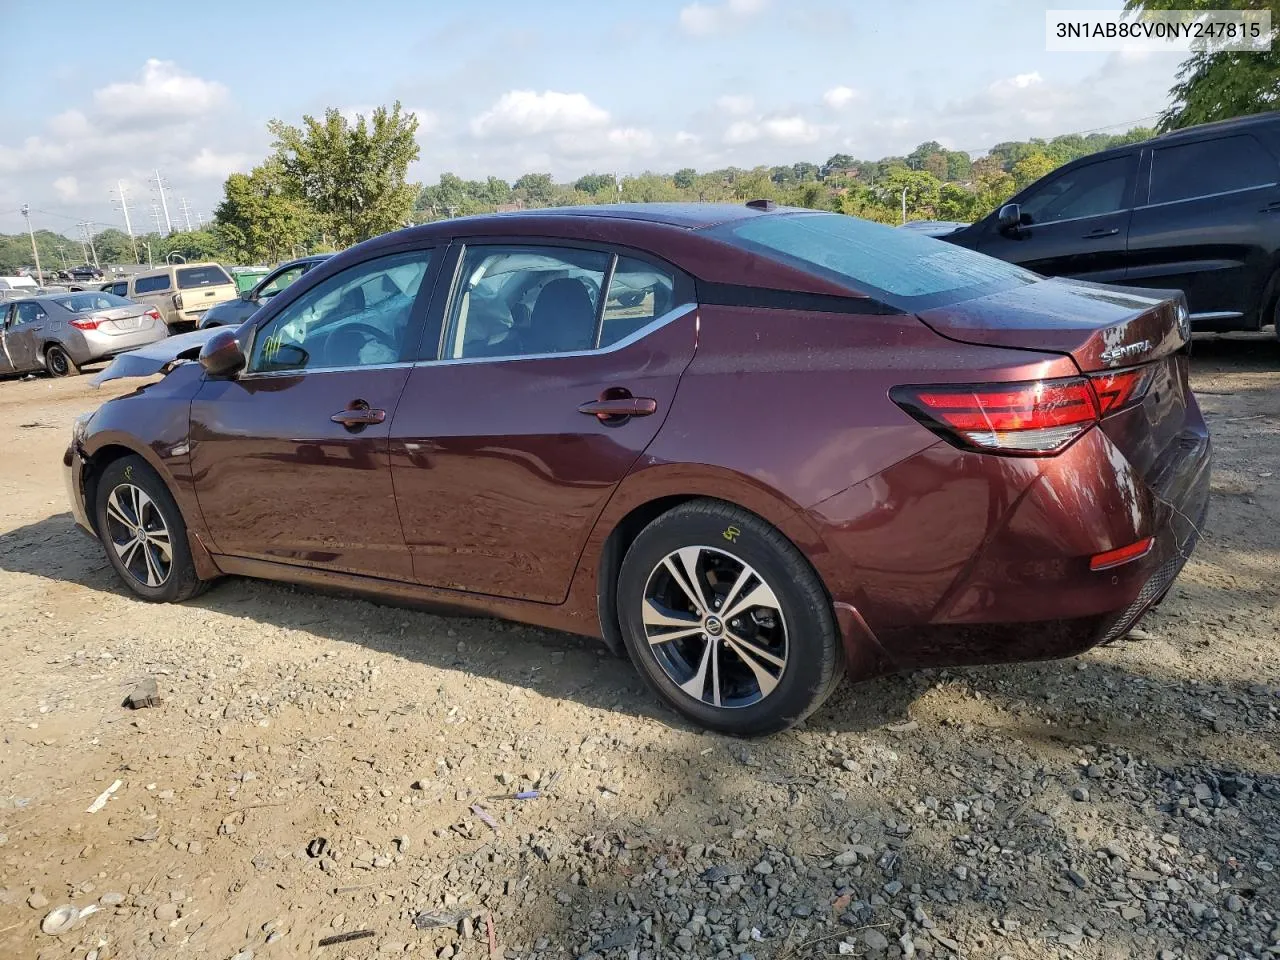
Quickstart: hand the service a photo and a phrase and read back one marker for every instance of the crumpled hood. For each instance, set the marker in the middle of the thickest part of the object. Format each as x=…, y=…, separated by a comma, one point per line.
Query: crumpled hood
x=155, y=357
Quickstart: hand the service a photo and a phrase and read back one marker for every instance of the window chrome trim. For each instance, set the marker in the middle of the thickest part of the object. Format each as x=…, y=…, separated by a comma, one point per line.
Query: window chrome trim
x=1090, y=216
x=675, y=313
x=1208, y=196
x=307, y=372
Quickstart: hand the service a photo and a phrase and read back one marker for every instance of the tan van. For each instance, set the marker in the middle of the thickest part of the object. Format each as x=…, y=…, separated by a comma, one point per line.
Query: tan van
x=182, y=292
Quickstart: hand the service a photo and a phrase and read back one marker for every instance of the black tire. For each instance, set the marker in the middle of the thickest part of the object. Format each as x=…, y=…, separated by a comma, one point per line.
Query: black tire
x=58, y=363
x=179, y=581
x=732, y=541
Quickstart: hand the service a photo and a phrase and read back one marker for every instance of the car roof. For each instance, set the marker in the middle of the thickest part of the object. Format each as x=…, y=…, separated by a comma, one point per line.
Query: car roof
x=687, y=216
x=1218, y=126
x=157, y=271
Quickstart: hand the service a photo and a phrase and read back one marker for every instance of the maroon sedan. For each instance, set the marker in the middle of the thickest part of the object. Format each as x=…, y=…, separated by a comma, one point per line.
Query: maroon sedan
x=755, y=448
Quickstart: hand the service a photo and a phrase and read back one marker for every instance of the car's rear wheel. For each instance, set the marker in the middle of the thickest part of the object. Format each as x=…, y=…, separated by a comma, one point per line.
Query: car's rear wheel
x=727, y=621
x=58, y=363
x=143, y=532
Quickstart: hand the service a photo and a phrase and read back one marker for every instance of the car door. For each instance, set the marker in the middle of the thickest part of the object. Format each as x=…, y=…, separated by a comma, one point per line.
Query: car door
x=1210, y=227
x=289, y=458
x=1075, y=222
x=155, y=291
x=556, y=368
x=22, y=337
x=6, y=314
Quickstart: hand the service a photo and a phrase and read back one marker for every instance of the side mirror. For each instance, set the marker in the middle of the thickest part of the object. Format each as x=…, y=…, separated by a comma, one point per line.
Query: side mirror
x=1009, y=218
x=221, y=355
x=246, y=294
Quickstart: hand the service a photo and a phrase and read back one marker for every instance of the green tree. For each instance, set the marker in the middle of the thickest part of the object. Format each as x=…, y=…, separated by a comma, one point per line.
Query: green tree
x=1031, y=168
x=354, y=175
x=594, y=183
x=1219, y=85
x=959, y=166
x=685, y=178
x=257, y=220
x=536, y=188
x=113, y=246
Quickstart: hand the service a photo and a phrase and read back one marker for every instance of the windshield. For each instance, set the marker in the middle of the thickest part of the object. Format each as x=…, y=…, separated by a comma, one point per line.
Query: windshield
x=902, y=268
x=84, y=302
x=211, y=276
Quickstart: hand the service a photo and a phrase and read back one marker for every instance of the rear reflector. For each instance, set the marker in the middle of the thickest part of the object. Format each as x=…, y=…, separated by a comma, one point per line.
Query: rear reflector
x=1022, y=418
x=1113, y=558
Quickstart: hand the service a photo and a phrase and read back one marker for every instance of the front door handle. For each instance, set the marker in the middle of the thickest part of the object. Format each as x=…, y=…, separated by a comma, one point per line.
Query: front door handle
x=613, y=408
x=1101, y=232
x=359, y=414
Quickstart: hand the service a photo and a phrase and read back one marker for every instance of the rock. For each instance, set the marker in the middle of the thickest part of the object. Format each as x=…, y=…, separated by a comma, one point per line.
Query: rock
x=1080, y=794
x=876, y=941
x=167, y=912
x=112, y=899
x=144, y=694
x=1077, y=878
x=37, y=900
x=764, y=868
x=1234, y=903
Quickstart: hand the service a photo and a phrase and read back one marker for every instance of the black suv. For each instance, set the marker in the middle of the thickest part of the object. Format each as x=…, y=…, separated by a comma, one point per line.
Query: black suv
x=1196, y=210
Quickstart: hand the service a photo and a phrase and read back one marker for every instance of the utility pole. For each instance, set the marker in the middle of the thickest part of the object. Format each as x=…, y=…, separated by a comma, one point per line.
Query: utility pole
x=26, y=212
x=186, y=213
x=904, y=204
x=124, y=206
x=199, y=220
x=164, y=204
x=87, y=227
x=155, y=218
x=62, y=253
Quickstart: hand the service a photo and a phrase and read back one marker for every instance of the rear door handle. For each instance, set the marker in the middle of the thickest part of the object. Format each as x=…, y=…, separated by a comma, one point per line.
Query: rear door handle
x=1101, y=232
x=614, y=408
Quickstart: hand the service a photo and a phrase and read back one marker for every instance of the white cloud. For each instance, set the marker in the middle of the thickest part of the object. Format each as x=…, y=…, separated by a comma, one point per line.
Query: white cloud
x=164, y=92
x=837, y=98
x=703, y=19
x=528, y=113
x=783, y=130
x=1022, y=81
x=630, y=138
x=211, y=165
x=67, y=188
x=735, y=105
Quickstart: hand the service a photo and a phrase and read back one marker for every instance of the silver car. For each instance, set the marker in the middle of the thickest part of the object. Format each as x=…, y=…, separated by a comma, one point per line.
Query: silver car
x=62, y=332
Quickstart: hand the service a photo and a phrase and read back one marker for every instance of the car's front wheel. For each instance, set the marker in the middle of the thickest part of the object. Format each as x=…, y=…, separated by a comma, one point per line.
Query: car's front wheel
x=727, y=621
x=58, y=362
x=143, y=532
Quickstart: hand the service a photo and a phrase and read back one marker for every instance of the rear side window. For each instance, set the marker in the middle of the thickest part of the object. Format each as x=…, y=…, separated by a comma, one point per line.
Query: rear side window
x=212, y=276
x=1208, y=167
x=898, y=267
x=151, y=284
x=638, y=295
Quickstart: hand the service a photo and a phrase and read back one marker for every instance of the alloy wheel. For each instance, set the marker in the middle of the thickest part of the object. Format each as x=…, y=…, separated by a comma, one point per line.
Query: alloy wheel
x=139, y=535
x=715, y=627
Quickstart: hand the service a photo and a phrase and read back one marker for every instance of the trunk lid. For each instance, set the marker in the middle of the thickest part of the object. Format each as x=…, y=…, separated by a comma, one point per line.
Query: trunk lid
x=1102, y=328
x=120, y=320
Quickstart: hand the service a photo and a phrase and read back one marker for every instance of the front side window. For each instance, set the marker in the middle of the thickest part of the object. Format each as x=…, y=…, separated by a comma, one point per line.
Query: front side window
x=151, y=284
x=210, y=276
x=1089, y=191
x=517, y=301
x=279, y=282
x=1209, y=167
x=359, y=317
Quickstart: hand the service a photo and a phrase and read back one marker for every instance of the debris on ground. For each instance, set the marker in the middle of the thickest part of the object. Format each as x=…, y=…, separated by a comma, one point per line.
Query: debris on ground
x=145, y=694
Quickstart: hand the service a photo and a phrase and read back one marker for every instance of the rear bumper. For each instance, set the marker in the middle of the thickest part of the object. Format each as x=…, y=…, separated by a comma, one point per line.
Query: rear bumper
x=952, y=560
x=101, y=346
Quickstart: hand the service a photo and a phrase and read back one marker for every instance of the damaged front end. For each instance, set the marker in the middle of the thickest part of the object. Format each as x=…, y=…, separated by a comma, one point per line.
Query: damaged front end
x=159, y=357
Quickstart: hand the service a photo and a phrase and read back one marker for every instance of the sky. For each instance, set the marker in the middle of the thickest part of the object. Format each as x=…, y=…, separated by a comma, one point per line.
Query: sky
x=508, y=87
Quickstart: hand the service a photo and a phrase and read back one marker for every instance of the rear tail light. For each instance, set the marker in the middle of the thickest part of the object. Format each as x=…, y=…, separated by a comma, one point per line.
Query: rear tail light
x=1024, y=418
x=153, y=313
x=86, y=323
x=177, y=301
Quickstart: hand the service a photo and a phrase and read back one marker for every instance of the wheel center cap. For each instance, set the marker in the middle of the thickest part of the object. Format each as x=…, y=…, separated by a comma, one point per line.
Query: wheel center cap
x=713, y=626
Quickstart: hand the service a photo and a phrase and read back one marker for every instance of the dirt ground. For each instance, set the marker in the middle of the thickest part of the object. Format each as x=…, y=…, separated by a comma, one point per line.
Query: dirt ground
x=323, y=765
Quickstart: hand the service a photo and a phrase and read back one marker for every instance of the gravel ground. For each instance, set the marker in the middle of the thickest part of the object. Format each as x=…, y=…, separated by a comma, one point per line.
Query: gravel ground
x=322, y=765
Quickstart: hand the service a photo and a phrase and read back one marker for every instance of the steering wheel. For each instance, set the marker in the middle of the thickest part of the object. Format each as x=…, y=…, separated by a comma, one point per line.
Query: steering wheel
x=342, y=347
